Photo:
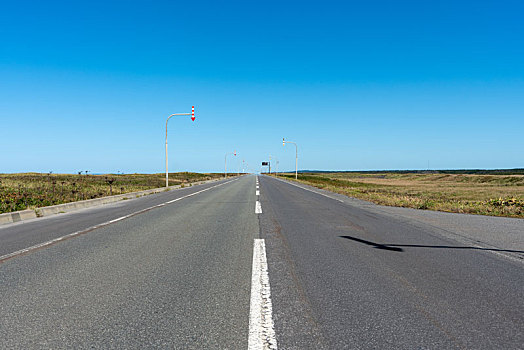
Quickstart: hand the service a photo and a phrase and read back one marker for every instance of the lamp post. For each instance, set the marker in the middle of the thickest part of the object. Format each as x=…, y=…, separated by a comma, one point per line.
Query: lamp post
x=269, y=163
x=225, y=163
x=275, y=168
x=296, y=156
x=192, y=114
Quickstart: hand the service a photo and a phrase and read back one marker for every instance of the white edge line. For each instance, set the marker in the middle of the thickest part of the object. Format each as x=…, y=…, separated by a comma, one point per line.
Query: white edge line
x=261, y=329
x=41, y=245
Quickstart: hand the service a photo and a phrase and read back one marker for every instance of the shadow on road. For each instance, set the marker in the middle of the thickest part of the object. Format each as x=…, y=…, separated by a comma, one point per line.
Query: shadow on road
x=397, y=247
x=375, y=245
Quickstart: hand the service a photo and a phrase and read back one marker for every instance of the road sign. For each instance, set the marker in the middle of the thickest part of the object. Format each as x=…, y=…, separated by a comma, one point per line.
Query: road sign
x=265, y=163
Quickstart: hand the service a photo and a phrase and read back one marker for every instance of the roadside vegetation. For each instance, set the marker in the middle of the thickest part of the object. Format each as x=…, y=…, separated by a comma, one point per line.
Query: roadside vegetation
x=34, y=190
x=494, y=194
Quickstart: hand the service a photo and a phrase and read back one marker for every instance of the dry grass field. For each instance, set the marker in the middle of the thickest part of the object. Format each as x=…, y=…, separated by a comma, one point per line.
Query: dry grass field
x=498, y=195
x=33, y=190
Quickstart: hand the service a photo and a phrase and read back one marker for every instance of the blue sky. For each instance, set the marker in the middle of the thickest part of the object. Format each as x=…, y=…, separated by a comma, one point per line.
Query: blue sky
x=359, y=85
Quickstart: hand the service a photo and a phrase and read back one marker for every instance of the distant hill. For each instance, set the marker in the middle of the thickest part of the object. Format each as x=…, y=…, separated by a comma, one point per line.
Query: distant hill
x=517, y=171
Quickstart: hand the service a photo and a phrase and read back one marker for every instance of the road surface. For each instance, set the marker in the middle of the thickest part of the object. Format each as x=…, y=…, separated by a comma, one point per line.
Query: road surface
x=256, y=262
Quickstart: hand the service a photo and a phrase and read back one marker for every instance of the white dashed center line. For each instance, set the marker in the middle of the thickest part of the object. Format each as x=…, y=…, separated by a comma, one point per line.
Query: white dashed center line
x=258, y=208
x=261, y=331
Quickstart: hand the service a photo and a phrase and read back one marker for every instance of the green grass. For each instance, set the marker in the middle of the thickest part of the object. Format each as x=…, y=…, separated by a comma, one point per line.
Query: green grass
x=493, y=194
x=33, y=190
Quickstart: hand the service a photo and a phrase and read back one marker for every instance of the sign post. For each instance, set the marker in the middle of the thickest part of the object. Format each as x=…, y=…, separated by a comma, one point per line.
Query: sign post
x=268, y=164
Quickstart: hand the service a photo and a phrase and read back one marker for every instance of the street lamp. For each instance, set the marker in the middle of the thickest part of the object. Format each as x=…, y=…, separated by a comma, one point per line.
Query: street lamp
x=225, y=163
x=275, y=168
x=296, y=156
x=192, y=114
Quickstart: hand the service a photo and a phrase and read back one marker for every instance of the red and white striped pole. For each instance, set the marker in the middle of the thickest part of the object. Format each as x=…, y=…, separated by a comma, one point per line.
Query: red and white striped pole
x=193, y=113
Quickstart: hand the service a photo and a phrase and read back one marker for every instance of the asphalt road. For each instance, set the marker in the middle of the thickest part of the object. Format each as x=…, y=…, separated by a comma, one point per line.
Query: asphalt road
x=179, y=270
x=350, y=275
x=176, y=276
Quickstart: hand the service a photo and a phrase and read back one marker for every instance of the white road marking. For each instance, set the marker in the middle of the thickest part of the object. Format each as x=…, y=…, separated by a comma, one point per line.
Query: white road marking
x=258, y=208
x=261, y=330
x=77, y=233
x=257, y=193
x=115, y=220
